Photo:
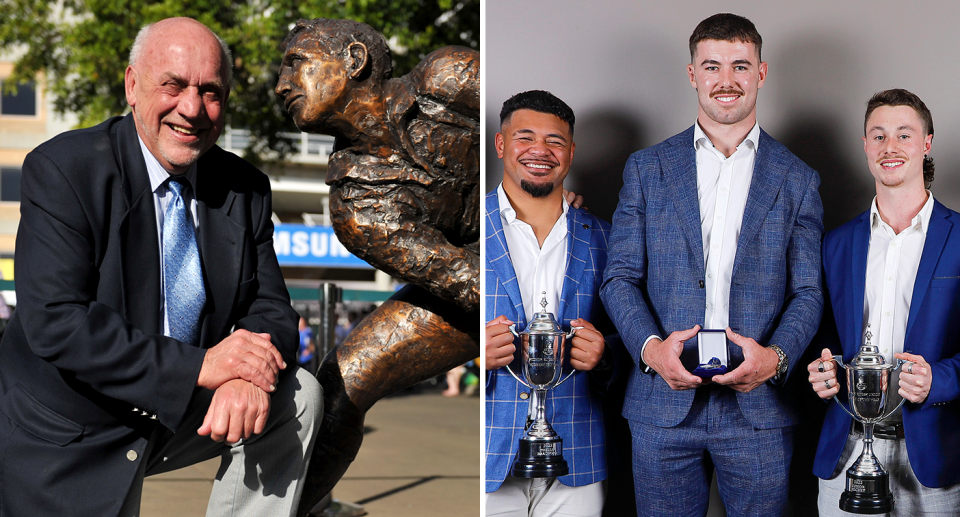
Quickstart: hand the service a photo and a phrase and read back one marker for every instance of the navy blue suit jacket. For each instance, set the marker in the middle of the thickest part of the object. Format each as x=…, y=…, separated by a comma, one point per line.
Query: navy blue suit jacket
x=654, y=281
x=931, y=429
x=85, y=345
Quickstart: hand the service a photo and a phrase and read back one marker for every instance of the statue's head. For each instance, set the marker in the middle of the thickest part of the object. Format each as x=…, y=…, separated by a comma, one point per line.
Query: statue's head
x=325, y=61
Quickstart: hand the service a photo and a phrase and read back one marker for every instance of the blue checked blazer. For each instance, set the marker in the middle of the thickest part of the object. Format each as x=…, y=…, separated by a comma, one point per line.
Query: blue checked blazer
x=574, y=414
x=933, y=331
x=654, y=281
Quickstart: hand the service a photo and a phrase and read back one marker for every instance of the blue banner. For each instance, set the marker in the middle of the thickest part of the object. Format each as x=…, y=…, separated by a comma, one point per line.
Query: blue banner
x=315, y=246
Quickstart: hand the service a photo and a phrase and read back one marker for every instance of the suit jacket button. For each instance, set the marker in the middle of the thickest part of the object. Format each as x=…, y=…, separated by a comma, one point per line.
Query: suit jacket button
x=700, y=283
x=132, y=455
x=524, y=395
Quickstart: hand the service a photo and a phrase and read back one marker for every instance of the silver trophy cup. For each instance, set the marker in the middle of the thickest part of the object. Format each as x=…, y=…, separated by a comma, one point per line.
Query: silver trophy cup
x=868, y=382
x=543, y=349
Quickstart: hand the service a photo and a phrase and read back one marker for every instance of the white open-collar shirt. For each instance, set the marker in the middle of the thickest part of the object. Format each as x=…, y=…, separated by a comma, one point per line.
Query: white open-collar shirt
x=539, y=269
x=893, y=260
x=722, y=187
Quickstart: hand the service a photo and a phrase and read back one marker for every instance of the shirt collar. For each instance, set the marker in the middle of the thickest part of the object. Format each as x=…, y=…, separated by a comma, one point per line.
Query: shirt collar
x=158, y=175
x=507, y=212
x=921, y=221
x=700, y=138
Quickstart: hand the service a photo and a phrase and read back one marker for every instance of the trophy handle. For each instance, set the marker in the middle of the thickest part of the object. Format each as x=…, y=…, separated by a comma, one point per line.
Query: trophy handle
x=513, y=330
x=900, y=364
x=839, y=360
x=569, y=335
x=837, y=399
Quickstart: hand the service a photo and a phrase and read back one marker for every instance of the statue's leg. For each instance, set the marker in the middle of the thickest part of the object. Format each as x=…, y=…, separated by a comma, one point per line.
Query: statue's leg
x=411, y=337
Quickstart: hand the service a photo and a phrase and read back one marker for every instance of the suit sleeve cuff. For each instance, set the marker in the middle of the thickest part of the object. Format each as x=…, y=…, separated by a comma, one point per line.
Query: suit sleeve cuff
x=643, y=365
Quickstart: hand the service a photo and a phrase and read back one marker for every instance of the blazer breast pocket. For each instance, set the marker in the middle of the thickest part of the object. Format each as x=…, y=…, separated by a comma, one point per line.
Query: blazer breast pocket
x=945, y=282
x=37, y=419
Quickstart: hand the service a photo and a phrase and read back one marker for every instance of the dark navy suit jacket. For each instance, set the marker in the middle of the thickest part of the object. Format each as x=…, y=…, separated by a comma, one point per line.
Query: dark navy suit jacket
x=654, y=281
x=85, y=345
x=931, y=429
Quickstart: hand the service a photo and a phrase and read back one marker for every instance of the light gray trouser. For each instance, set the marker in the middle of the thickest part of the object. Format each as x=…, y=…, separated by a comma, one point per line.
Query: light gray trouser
x=262, y=475
x=910, y=497
x=545, y=497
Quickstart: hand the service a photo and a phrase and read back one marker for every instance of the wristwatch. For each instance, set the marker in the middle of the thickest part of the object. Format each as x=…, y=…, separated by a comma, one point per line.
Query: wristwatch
x=781, y=364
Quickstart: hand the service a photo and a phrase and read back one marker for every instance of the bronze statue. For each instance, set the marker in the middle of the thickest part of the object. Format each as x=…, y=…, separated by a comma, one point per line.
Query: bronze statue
x=405, y=197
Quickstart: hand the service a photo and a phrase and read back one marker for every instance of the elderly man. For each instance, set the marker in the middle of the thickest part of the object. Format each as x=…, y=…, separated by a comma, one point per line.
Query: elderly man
x=153, y=327
x=895, y=269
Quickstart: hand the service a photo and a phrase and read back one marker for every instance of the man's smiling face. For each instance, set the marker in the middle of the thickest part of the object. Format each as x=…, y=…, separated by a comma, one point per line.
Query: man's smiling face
x=895, y=145
x=178, y=93
x=727, y=76
x=536, y=149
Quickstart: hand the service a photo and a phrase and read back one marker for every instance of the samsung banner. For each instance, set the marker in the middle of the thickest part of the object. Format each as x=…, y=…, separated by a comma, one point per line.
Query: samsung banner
x=315, y=246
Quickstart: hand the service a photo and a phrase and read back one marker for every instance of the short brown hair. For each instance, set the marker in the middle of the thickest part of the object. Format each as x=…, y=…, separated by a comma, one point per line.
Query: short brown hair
x=725, y=27
x=901, y=97
x=334, y=36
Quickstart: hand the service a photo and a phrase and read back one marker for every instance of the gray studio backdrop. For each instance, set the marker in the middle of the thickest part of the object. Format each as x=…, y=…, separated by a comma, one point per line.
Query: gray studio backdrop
x=621, y=65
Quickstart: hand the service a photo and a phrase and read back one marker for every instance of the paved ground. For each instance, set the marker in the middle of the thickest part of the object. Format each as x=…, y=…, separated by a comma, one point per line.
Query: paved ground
x=420, y=458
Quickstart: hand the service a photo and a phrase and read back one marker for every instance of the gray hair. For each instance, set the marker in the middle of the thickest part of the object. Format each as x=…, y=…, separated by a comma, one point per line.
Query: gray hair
x=136, y=51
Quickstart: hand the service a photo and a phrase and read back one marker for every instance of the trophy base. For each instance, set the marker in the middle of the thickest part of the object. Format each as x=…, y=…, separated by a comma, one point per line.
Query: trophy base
x=540, y=459
x=867, y=495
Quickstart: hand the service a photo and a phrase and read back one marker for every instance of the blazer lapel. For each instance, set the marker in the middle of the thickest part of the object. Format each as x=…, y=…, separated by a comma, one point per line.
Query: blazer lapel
x=857, y=280
x=933, y=245
x=683, y=185
x=498, y=258
x=139, y=249
x=769, y=169
x=578, y=253
x=221, y=241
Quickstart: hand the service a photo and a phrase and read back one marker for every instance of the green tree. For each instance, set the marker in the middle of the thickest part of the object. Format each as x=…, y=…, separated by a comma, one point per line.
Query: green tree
x=81, y=47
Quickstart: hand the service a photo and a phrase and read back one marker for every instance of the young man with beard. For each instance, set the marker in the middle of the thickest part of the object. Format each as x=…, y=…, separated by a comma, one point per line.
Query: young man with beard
x=536, y=244
x=717, y=227
x=896, y=268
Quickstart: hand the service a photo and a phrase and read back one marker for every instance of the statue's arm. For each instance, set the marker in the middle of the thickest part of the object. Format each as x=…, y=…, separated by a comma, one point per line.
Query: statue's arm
x=394, y=227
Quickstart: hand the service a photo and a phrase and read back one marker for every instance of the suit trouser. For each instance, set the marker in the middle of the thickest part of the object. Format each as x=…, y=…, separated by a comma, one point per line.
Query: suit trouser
x=909, y=496
x=262, y=475
x=673, y=466
x=544, y=497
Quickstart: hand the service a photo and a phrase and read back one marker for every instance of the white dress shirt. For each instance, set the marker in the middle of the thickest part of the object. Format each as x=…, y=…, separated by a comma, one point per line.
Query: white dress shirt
x=892, y=263
x=539, y=269
x=161, y=199
x=722, y=187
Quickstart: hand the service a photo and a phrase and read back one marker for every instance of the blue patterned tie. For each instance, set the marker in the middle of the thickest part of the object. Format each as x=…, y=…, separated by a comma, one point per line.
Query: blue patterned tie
x=182, y=277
